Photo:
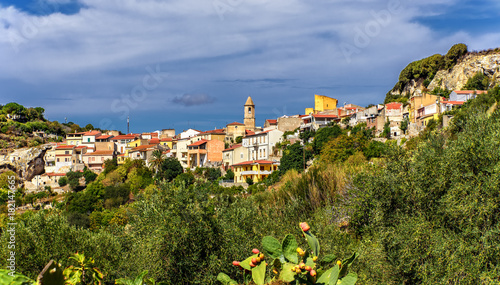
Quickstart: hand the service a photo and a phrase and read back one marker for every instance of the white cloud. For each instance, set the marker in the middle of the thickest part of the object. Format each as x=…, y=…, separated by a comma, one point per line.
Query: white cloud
x=107, y=45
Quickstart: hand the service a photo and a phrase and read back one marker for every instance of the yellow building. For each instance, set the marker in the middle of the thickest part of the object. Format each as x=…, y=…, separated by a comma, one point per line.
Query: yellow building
x=322, y=103
x=419, y=101
x=136, y=143
x=167, y=142
x=256, y=170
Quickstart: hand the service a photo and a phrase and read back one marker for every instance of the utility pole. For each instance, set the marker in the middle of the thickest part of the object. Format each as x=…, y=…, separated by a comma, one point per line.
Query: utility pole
x=128, y=125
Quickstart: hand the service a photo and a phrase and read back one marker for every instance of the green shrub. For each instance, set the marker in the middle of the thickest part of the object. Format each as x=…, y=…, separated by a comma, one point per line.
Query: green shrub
x=63, y=181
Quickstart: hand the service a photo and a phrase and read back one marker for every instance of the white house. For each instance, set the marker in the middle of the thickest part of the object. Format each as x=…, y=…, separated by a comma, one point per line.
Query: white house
x=260, y=146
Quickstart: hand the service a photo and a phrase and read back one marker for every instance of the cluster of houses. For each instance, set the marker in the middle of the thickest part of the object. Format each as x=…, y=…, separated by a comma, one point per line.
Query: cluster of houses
x=250, y=151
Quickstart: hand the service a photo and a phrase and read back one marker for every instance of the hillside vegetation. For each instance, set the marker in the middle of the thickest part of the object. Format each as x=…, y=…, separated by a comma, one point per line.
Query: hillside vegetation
x=17, y=124
x=424, y=213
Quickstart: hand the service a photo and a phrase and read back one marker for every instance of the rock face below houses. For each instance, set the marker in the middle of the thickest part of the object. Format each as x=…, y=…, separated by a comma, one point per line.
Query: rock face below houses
x=26, y=162
x=456, y=78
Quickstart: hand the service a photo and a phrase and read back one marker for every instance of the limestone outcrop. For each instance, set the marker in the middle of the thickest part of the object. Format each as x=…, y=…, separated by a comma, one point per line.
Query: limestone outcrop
x=456, y=78
x=26, y=162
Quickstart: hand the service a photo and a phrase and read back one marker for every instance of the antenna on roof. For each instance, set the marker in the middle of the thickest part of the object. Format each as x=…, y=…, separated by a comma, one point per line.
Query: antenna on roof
x=128, y=125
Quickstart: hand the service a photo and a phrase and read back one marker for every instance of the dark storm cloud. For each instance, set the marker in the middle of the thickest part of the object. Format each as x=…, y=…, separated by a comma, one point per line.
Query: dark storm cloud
x=193, y=99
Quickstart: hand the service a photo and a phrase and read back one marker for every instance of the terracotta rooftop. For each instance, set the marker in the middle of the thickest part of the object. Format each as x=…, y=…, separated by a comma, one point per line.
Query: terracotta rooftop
x=217, y=131
x=249, y=133
x=166, y=139
x=325, y=116
x=143, y=147
x=261, y=133
x=100, y=152
x=125, y=137
x=233, y=147
x=470, y=91
x=272, y=122
x=255, y=162
x=56, y=174
x=65, y=147
x=200, y=142
x=92, y=133
x=154, y=141
x=453, y=102
x=103, y=137
x=393, y=106
x=235, y=124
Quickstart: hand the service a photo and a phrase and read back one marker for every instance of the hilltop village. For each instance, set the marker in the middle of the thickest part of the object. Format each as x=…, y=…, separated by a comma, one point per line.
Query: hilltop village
x=251, y=152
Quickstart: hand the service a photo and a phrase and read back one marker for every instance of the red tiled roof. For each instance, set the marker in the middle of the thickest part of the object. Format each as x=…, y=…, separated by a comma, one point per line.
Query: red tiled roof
x=166, y=139
x=143, y=147
x=453, y=102
x=393, y=106
x=350, y=108
x=233, y=147
x=124, y=137
x=261, y=133
x=217, y=131
x=154, y=141
x=254, y=162
x=100, y=152
x=200, y=142
x=325, y=116
x=83, y=146
x=56, y=174
x=92, y=133
x=235, y=124
x=470, y=91
x=65, y=147
x=249, y=133
x=103, y=137
x=272, y=122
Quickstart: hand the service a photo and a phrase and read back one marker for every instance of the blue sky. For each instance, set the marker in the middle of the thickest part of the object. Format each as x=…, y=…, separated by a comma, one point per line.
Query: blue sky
x=190, y=63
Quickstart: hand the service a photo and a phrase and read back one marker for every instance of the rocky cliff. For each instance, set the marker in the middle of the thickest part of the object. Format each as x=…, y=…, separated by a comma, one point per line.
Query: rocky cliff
x=456, y=78
x=26, y=162
x=428, y=74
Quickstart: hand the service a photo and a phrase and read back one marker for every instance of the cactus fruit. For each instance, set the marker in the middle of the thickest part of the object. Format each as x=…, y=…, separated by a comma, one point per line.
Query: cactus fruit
x=312, y=273
x=315, y=258
x=304, y=226
x=236, y=263
x=255, y=251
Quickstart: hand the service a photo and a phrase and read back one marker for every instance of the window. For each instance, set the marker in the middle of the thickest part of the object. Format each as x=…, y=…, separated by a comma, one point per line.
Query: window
x=58, y=160
x=66, y=152
x=241, y=155
x=88, y=139
x=249, y=110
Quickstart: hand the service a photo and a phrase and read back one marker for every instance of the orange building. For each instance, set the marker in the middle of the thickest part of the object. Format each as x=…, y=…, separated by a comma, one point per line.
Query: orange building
x=204, y=151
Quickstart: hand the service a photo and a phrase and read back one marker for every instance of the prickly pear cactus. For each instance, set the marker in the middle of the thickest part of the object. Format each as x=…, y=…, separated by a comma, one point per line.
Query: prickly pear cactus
x=52, y=274
x=15, y=279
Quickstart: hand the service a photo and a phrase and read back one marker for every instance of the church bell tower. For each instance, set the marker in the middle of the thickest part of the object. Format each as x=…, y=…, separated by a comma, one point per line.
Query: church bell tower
x=249, y=116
